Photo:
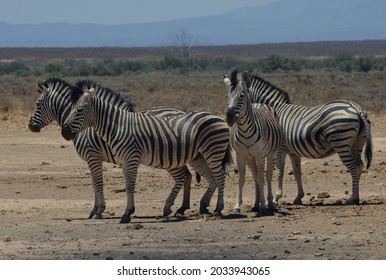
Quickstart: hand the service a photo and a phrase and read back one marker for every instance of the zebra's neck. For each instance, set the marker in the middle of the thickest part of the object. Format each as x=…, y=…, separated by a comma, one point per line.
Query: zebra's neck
x=62, y=107
x=264, y=92
x=107, y=120
x=245, y=122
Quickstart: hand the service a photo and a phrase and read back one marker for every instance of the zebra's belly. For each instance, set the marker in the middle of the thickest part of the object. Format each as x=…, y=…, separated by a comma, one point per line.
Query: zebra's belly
x=255, y=149
x=309, y=149
x=168, y=161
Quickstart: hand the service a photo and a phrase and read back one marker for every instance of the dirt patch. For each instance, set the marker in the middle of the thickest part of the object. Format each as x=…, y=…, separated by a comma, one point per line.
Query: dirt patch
x=46, y=197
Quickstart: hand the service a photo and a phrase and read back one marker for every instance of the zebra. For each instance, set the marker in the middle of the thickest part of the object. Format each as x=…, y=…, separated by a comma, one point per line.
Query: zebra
x=338, y=126
x=54, y=103
x=199, y=139
x=255, y=136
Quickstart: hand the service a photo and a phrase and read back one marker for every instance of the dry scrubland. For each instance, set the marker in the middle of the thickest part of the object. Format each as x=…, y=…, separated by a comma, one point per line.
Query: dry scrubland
x=46, y=194
x=205, y=91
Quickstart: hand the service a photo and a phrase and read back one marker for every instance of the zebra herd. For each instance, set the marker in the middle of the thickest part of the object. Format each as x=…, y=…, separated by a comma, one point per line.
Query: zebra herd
x=261, y=126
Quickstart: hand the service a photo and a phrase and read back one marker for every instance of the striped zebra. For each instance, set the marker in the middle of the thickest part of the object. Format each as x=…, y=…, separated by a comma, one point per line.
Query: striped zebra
x=255, y=136
x=54, y=103
x=199, y=139
x=339, y=126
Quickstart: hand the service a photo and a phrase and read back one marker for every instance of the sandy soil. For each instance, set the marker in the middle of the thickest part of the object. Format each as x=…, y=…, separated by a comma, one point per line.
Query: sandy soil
x=46, y=197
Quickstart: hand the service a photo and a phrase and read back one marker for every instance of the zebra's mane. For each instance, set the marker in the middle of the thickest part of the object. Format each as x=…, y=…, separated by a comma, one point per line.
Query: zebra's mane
x=234, y=80
x=56, y=84
x=262, y=91
x=105, y=93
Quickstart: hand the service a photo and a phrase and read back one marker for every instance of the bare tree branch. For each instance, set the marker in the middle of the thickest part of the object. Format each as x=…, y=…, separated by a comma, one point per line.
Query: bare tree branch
x=184, y=42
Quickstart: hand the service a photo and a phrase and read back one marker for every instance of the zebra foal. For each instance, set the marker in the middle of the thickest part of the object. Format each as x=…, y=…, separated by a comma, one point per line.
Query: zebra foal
x=54, y=103
x=339, y=126
x=255, y=137
x=199, y=139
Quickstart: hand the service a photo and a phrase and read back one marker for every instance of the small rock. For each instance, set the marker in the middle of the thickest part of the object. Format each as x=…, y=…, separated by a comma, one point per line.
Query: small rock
x=287, y=251
x=256, y=236
x=324, y=195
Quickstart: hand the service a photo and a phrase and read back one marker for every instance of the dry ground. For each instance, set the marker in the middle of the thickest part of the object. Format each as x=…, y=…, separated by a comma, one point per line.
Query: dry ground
x=46, y=196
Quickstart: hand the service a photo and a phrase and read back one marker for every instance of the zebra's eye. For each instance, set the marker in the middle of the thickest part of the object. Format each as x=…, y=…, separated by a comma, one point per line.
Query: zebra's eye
x=80, y=110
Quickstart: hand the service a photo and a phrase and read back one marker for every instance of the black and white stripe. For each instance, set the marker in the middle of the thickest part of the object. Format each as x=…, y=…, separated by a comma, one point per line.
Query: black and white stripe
x=199, y=139
x=255, y=136
x=54, y=103
x=339, y=126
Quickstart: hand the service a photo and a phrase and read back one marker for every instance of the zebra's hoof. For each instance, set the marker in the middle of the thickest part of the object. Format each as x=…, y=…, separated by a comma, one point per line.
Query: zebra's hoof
x=353, y=201
x=255, y=209
x=97, y=217
x=204, y=211
x=180, y=212
x=167, y=212
x=236, y=211
x=298, y=201
x=217, y=214
x=125, y=219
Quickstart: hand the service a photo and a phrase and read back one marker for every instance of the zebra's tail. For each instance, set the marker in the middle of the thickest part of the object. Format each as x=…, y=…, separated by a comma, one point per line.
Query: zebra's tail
x=369, y=142
x=227, y=162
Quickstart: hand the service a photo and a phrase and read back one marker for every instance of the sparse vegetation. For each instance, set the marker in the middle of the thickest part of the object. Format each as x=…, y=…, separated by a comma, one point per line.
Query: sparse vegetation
x=157, y=77
x=275, y=62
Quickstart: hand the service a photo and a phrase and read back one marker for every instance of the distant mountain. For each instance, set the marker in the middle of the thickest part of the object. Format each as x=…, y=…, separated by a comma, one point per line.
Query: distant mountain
x=281, y=21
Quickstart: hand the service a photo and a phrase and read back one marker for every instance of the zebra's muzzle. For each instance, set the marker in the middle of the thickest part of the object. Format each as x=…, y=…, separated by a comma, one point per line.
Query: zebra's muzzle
x=34, y=127
x=68, y=133
x=231, y=116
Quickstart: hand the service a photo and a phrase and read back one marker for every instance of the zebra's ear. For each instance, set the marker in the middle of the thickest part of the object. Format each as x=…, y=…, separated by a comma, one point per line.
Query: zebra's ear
x=42, y=87
x=227, y=81
x=89, y=94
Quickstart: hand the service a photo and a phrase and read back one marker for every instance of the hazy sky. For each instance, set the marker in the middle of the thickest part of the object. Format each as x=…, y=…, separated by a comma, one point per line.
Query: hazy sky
x=113, y=11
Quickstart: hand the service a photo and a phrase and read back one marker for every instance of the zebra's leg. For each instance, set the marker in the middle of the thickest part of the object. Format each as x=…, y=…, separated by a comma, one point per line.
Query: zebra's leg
x=130, y=171
x=202, y=168
x=96, y=169
x=260, y=163
x=219, y=175
x=253, y=167
x=352, y=160
x=296, y=165
x=356, y=151
x=280, y=164
x=178, y=175
x=268, y=179
x=241, y=163
x=186, y=199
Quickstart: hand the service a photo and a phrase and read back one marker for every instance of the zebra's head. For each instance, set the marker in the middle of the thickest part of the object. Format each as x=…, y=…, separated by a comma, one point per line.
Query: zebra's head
x=237, y=95
x=80, y=116
x=46, y=110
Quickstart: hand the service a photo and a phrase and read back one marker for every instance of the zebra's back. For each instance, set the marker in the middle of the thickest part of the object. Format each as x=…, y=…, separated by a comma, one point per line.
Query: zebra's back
x=309, y=131
x=173, y=142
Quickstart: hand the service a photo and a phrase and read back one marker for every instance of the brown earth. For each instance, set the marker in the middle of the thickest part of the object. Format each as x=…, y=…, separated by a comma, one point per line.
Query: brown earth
x=46, y=197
